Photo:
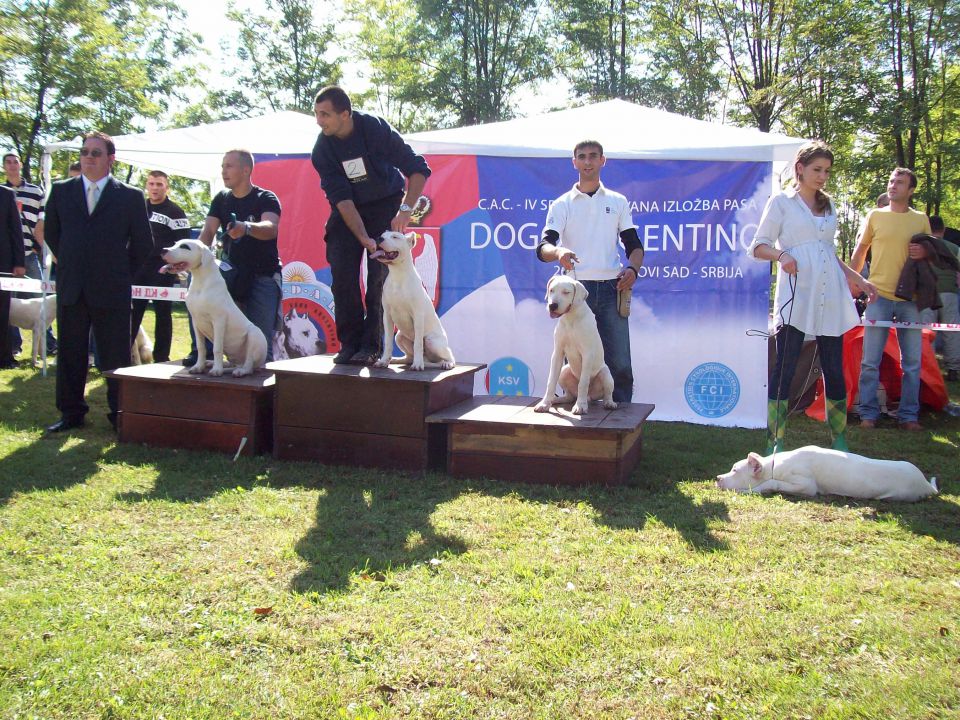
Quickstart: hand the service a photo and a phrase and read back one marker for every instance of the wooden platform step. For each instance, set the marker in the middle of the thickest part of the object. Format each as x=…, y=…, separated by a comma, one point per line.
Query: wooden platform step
x=163, y=405
x=503, y=438
x=364, y=416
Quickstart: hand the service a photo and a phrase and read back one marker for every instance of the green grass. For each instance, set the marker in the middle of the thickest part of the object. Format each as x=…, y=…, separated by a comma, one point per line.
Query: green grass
x=129, y=578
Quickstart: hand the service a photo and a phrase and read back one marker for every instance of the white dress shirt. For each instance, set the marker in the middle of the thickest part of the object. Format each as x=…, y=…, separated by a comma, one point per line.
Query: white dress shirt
x=822, y=303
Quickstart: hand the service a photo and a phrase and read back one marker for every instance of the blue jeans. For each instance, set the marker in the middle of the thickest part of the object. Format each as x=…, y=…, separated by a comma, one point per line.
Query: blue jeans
x=262, y=307
x=614, y=334
x=947, y=343
x=911, y=344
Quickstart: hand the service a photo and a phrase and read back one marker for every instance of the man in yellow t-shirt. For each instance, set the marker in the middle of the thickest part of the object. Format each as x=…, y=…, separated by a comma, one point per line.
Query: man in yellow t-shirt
x=887, y=232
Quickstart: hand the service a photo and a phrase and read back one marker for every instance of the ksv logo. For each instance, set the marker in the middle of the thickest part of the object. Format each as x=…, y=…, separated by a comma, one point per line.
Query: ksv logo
x=509, y=376
x=712, y=390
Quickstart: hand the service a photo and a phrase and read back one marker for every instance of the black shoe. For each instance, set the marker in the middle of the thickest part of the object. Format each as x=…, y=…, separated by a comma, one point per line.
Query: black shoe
x=344, y=356
x=364, y=357
x=190, y=360
x=8, y=364
x=65, y=423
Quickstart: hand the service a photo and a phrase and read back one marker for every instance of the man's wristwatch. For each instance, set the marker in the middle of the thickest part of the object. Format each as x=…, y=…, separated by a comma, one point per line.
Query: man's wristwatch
x=405, y=208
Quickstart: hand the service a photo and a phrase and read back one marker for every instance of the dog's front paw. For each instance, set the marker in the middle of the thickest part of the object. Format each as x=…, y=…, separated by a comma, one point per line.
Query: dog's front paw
x=542, y=406
x=383, y=362
x=216, y=370
x=448, y=365
x=198, y=368
x=581, y=408
x=417, y=364
x=241, y=371
x=609, y=405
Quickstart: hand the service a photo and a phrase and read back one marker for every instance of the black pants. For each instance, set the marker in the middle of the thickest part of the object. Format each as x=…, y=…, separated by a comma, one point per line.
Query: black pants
x=163, y=312
x=6, y=347
x=789, y=345
x=359, y=319
x=111, y=331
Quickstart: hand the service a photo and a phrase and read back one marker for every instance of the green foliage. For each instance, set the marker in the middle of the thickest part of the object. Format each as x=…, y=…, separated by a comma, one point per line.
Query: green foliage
x=281, y=57
x=67, y=66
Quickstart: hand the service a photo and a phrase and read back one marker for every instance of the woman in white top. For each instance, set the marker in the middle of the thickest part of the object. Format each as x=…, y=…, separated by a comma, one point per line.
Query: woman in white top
x=815, y=290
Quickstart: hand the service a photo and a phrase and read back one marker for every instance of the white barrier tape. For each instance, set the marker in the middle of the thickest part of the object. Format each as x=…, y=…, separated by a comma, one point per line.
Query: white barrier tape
x=28, y=285
x=944, y=327
x=137, y=292
x=147, y=292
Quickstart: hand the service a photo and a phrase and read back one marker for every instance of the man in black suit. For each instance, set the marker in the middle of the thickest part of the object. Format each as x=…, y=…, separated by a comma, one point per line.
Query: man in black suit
x=97, y=227
x=11, y=262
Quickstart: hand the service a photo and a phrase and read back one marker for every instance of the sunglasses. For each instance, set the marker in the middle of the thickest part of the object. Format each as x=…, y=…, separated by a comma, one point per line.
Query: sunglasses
x=92, y=153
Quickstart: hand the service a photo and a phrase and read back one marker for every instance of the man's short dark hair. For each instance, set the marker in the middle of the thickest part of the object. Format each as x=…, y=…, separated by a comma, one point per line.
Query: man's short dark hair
x=107, y=140
x=908, y=172
x=246, y=157
x=936, y=223
x=159, y=173
x=585, y=144
x=883, y=200
x=10, y=154
x=74, y=166
x=337, y=97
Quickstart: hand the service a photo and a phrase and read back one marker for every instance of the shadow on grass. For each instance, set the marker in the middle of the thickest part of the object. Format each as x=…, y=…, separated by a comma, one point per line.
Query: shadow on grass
x=374, y=522
x=48, y=462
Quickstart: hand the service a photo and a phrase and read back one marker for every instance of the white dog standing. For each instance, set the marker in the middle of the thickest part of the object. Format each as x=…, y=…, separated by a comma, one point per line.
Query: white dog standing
x=407, y=305
x=215, y=314
x=26, y=314
x=811, y=470
x=584, y=376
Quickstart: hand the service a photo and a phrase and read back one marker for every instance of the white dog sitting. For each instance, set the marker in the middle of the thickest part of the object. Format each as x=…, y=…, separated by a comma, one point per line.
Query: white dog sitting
x=811, y=470
x=141, y=351
x=584, y=376
x=26, y=314
x=215, y=314
x=407, y=305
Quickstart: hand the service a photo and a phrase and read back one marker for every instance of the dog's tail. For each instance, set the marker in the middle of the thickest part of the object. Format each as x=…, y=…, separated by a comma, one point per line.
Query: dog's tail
x=933, y=484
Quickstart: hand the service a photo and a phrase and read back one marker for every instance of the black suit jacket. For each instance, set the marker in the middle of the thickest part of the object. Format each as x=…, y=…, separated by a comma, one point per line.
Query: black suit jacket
x=97, y=255
x=11, y=232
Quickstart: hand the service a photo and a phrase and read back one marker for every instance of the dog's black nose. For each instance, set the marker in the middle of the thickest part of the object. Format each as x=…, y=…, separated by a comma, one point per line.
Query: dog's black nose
x=552, y=306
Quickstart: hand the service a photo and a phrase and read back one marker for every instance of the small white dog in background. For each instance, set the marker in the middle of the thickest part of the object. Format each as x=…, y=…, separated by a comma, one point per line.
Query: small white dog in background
x=141, y=351
x=215, y=314
x=811, y=470
x=25, y=313
x=407, y=306
x=584, y=375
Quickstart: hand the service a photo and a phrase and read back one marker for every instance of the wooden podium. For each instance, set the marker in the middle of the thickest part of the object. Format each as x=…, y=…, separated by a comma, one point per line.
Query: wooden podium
x=356, y=415
x=502, y=437
x=164, y=405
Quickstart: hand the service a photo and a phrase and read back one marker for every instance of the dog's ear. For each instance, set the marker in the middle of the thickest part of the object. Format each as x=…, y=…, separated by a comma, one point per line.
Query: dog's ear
x=549, y=287
x=756, y=464
x=580, y=293
x=411, y=238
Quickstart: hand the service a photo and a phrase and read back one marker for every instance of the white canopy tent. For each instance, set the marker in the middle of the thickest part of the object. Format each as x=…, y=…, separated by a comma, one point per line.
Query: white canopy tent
x=626, y=131
x=196, y=152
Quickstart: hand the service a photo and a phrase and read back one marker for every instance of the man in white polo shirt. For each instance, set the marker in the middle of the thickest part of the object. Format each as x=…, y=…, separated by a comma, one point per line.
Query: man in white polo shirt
x=585, y=226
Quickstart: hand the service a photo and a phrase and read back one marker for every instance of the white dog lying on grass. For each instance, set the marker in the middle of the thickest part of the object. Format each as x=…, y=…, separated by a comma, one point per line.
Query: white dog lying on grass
x=407, y=305
x=811, y=470
x=215, y=314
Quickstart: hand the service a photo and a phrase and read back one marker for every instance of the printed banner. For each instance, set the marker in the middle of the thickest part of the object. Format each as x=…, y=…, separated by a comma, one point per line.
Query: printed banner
x=478, y=226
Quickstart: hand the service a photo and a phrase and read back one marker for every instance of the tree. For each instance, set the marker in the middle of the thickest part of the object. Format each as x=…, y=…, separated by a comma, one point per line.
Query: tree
x=751, y=38
x=282, y=55
x=67, y=66
x=596, y=54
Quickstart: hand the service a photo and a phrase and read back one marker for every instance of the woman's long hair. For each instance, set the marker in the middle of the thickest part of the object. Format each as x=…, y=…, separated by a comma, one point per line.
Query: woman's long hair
x=807, y=154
